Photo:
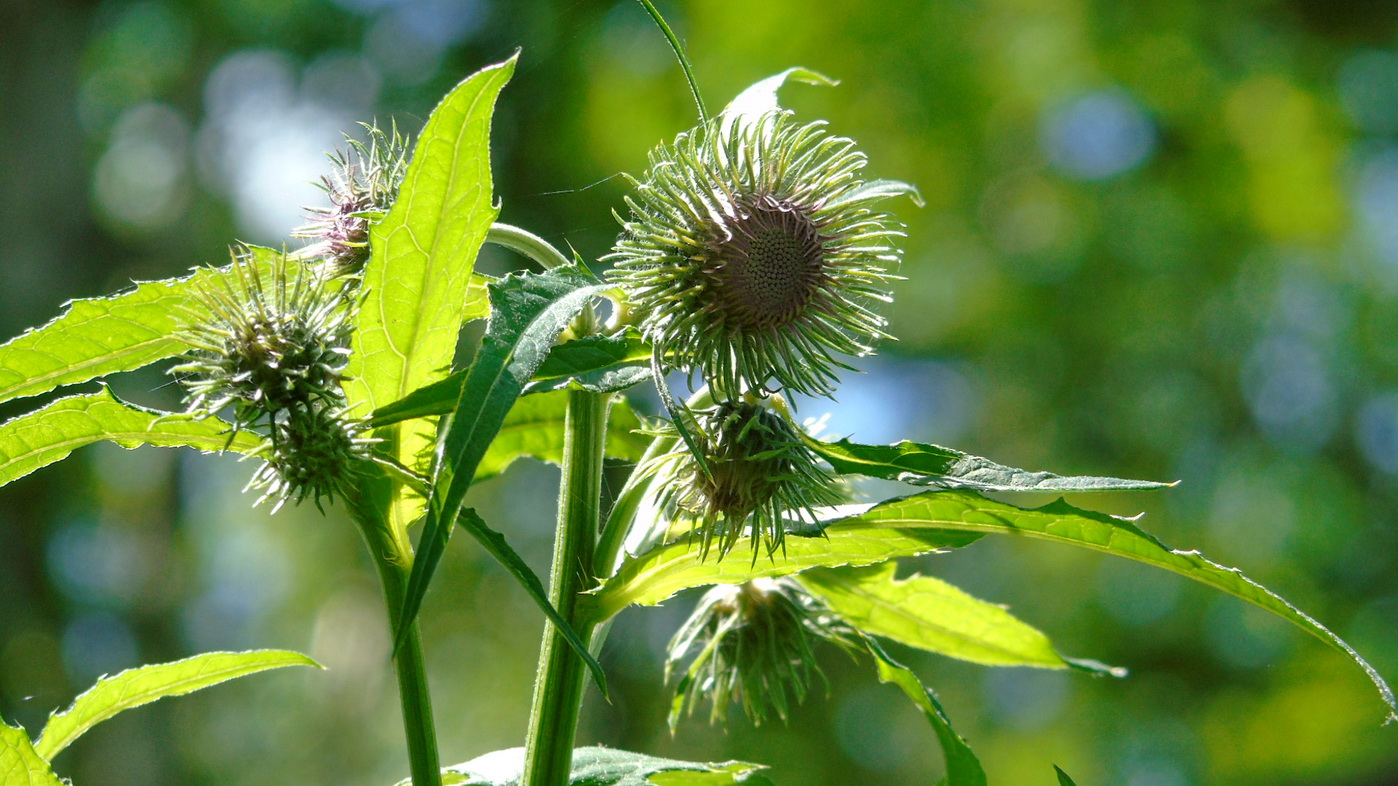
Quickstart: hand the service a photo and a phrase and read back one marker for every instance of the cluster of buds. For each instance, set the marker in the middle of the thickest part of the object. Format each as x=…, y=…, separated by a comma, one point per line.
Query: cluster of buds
x=269, y=343
x=751, y=646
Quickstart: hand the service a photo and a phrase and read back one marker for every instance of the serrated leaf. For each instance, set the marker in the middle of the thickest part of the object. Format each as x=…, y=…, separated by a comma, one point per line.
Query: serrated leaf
x=1063, y=779
x=601, y=364
x=47, y=435
x=930, y=614
x=424, y=251
x=95, y=337
x=930, y=465
x=20, y=764
x=963, y=768
x=598, y=766
x=677, y=565
x=761, y=97
x=135, y=687
x=534, y=429
x=477, y=301
x=530, y=310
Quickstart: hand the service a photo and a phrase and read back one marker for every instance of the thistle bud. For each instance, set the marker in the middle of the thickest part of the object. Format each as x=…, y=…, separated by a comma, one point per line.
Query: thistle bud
x=362, y=186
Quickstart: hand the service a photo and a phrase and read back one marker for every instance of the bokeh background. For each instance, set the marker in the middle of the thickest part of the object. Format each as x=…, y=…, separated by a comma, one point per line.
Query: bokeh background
x=1160, y=240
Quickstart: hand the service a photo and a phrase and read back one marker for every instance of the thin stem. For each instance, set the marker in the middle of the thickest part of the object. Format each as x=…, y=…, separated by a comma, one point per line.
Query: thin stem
x=562, y=676
x=679, y=53
x=526, y=243
x=392, y=557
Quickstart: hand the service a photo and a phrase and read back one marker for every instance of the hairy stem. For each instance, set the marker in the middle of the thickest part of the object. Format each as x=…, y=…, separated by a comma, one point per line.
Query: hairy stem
x=393, y=557
x=562, y=676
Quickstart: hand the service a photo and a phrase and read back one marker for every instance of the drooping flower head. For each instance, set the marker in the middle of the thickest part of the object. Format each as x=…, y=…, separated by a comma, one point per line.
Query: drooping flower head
x=751, y=645
x=362, y=187
x=757, y=476
x=753, y=252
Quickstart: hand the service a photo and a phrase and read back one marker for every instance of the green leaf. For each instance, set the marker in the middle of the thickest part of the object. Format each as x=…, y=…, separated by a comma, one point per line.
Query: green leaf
x=1063, y=779
x=47, y=435
x=100, y=336
x=602, y=364
x=495, y=544
x=598, y=766
x=424, y=251
x=963, y=768
x=534, y=429
x=930, y=465
x=530, y=310
x=930, y=614
x=477, y=300
x=143, y=685
x=761, y=97
x=20, y=764
x=668, y=568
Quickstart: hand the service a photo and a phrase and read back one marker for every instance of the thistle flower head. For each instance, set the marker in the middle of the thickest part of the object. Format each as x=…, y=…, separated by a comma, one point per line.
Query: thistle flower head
x=757, y=475
x=362, y=187
x=264, y=342
x=312, y=452
x=753, y=252
x=751, y=645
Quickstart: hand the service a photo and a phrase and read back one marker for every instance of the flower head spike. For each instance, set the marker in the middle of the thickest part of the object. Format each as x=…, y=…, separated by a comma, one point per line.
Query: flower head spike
x=753, y=252
x=362, y=187
x=758, y=475
x=313, y=452
x=267, y=337
x=751, y=645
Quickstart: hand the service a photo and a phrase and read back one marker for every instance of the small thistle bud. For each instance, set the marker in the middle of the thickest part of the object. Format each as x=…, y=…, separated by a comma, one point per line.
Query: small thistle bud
x=752, y=646
x=753, y=253
x=362, y=187
x=264, y=343
x=760, y=474
x=312, y=452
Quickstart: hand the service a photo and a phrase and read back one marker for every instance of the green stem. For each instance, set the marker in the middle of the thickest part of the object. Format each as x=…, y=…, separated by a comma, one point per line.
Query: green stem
x=526, y=243
x=562, y=676
x=392, y=556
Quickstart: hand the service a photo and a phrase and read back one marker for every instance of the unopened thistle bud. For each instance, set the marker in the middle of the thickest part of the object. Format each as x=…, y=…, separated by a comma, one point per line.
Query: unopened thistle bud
x=362, y=187
x=757, y=476
x=264, y=342
x=753, y=252
x=751, y=645
x=311, y=453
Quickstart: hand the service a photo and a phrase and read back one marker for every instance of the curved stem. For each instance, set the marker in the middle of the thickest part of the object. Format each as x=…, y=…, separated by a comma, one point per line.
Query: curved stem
x=679, y=53
x=562, y=676
x=526, y=243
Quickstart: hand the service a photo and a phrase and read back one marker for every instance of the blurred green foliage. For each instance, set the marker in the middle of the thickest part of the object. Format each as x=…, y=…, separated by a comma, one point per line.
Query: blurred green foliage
x=1161, y=240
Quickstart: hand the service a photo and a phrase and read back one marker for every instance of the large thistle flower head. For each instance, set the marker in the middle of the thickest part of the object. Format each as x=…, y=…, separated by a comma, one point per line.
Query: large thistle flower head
x=264, y=341
x=753, y=252
x=757, y=475
x=751, y=645
x=362, y=186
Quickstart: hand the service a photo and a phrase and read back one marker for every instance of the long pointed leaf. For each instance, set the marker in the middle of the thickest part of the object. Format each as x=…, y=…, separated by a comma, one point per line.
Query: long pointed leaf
x=598, y=766
x=928, y=613
x=529, y=313
x=963, y=768
x=424, y=251
x=47, y=435
x=931, y=465
x=20, y=764
x=143, y=685
x=1063, y=779
x=495, y=543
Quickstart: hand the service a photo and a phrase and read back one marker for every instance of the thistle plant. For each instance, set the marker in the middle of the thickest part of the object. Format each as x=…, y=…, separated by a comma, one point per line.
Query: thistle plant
x=753, y=256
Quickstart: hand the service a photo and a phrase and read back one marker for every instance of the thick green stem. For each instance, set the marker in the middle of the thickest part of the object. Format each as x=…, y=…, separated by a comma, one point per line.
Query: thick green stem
x=562, y=676
x=526, y=243
x=392, y=556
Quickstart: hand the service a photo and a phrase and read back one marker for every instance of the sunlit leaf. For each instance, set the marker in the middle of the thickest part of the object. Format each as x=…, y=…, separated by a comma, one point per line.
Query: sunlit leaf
x=100, y=336
x=424, y=250
x=930, y=465
x=930, y=614
x=963, y=768
x=529, y=312
x=761, y=97
x=47, y=435
x=598, y=766
x=143, y=685
x=20, y=764
x=534, y=429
